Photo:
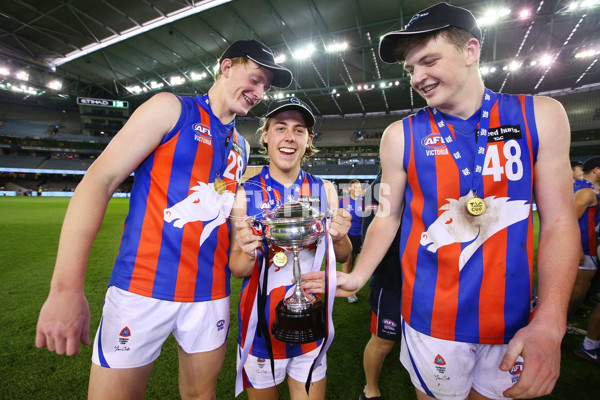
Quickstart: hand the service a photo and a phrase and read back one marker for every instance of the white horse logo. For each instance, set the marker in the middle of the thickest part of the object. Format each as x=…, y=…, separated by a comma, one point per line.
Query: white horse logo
x=203, y=204
x=457, y=225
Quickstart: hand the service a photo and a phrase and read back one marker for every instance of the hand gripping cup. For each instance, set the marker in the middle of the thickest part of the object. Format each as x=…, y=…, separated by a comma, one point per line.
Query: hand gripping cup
x=293, y=226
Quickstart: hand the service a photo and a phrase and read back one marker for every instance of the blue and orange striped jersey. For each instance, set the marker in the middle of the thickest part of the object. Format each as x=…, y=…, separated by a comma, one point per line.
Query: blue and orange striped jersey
x=175, y=243
x=589, y=221
x=312, y=192
x=469, y=278
x=354, y=207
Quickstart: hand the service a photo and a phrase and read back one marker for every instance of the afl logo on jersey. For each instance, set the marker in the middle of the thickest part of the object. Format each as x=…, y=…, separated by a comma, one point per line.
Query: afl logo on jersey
x=433, y=141
x=389, y=323
x=202, y=129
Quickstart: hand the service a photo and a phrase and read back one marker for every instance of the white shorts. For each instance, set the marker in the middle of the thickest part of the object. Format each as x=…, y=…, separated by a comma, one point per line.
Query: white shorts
x=258, y=370
x=133, y=328
x=589, y=263
x=449, y=370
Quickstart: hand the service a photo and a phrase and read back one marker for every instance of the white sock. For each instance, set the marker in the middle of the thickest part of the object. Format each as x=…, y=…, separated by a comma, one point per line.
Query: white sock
x=590, y=344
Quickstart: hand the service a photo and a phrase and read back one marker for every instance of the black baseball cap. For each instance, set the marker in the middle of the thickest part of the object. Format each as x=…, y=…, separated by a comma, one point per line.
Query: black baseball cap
x=576, y=163
x=263, y=56
x=434, y=18
x=292, y=103
x=590, y=164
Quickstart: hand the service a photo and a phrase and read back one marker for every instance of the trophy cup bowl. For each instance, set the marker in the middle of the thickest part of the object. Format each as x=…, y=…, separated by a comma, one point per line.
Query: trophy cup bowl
x=293, y=226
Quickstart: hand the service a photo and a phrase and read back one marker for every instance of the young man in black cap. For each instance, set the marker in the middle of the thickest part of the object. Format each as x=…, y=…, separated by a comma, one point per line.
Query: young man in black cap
x=286, y=135
x=577, y=168
x=171, y=274
x=468, y=168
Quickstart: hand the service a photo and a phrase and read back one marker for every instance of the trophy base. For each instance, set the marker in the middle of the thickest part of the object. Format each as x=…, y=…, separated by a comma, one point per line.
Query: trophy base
x=299, y=327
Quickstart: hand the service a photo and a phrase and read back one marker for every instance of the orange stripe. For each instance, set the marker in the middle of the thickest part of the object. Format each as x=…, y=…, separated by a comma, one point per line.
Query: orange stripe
x=445, y=303
x=491, y=302
x=190, y=241
x=144, y=270
x=276, y=295
x=530, y=250
x=409, y=258
x=221, y=258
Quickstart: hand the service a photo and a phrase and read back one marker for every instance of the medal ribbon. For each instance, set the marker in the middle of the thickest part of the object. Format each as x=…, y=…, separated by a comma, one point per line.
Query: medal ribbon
x=224, y=151
x=473, y=178
x=295, y=188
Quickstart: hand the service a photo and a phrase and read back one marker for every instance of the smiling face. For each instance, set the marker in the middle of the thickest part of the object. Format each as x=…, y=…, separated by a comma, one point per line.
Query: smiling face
x=286, y=137
x=440, y=72
x=247, y=82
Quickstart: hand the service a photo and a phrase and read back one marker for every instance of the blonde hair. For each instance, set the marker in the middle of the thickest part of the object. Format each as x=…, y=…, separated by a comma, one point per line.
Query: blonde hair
x=264, y=125
x=234, y=61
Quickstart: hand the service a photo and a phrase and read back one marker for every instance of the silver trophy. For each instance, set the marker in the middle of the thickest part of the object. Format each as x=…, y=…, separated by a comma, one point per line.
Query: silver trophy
x=293, y=226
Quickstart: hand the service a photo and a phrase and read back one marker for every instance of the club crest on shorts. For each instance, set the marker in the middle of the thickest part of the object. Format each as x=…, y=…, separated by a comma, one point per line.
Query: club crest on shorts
x=220, y=324
x=440, y=364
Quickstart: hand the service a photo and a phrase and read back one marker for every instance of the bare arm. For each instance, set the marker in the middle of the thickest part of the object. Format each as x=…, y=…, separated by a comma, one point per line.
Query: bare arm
x=64, y=318
x=382, y=230
x=340, y=225
x=539, y=342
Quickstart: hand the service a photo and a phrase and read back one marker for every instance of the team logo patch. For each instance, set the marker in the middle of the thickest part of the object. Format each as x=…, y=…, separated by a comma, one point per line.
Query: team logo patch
x=439, y=360
x=517, y=368
x=434, y=144
x=202, y=129
x=124, y=336
x=390, y=323
x=220, y=324
x=203, y=134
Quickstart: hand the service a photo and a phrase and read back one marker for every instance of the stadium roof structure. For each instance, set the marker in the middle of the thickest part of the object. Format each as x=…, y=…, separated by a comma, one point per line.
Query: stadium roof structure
x=128, y=50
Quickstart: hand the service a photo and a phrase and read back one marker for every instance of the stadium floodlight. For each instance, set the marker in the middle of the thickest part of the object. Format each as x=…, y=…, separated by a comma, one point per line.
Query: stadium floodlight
x=197, y=76
x=525, y=13
x=4, y=71
x=280, y=59
x=134, y=89
x=382, y=85
x=397, y=83
x=334, y=91
x=359, y=87
x=195, y=8
x=176, y=80
x=546, y=60
x=492, y=16
x=305, y=52
x=587, y=53
x=336, y=47
x=351, y=88
x=22, y=75
x=55, y=84
x=156, y=85
x=514, y=65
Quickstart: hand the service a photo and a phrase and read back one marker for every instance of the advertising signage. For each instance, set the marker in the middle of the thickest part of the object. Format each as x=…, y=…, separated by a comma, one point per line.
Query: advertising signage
x=88, y=101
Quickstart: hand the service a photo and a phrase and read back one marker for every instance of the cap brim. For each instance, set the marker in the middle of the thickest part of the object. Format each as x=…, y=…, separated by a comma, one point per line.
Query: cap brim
x=308, y=116
x=388, y=42
x=282, y=77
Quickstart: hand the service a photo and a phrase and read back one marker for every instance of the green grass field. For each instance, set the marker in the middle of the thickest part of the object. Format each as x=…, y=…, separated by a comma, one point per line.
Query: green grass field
x=29, y=231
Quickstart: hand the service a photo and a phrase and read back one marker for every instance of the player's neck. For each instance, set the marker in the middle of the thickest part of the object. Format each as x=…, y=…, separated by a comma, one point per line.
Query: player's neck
x=285, y=177
x=466, y=101
x=218, y=105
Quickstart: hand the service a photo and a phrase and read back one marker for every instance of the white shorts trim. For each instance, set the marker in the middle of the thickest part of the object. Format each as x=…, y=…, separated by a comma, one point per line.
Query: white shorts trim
x=133, y=328
x=258, y=370
x=590, y=263
x=448, y=370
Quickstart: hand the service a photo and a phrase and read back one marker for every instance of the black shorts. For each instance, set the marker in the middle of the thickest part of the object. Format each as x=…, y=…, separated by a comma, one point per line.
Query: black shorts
x=356, y=241
x=385, y=312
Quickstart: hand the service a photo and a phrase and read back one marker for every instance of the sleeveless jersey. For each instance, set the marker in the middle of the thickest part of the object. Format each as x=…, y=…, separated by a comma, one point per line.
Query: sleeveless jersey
x=466, y=278
x=354, y=207
x=588, y=222
x=312, y=191
x=175, y=243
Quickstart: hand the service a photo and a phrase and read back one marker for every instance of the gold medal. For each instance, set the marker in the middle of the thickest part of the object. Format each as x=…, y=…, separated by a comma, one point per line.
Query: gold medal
x=220, y=186
x=476, y=206
x=280, y=259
